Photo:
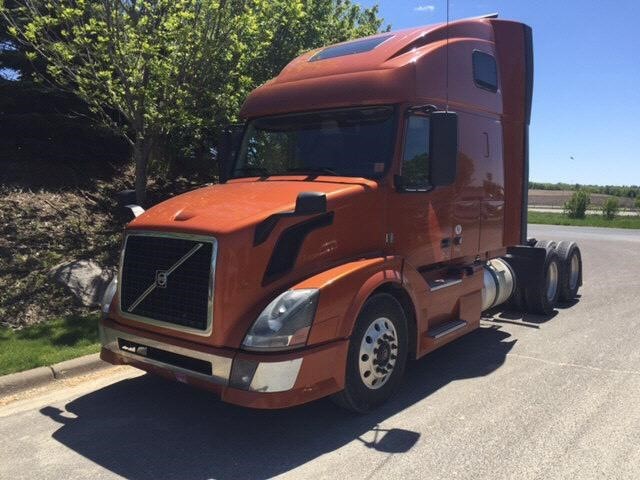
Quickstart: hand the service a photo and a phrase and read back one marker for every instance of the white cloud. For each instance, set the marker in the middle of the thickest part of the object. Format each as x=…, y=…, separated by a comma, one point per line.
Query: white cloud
x=425, y=8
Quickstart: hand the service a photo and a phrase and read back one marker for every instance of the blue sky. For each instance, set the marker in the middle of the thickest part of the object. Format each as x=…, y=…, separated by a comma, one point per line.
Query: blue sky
x=586, y=101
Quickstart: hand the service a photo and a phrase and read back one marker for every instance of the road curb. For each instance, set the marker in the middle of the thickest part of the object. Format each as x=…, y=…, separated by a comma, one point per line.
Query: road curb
x=37, y=377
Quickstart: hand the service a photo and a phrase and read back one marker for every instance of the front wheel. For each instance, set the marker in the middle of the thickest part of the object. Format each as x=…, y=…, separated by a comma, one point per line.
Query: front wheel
x=377, y=355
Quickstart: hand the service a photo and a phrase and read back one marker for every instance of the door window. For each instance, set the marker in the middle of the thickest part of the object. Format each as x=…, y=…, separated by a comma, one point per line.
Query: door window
x=415, y=161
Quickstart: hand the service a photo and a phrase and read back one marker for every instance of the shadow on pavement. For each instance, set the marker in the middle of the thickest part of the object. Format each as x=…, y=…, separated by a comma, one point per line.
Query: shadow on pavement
x=147, y=428
x=525, y=319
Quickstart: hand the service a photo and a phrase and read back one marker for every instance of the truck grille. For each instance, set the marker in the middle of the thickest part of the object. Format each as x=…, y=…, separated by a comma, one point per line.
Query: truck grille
x=167, y=278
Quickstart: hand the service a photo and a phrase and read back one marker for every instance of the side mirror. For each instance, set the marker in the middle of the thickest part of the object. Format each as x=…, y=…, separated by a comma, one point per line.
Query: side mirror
x=227, y=149
x=443, y=148
x=311, y=203
x=125, y=197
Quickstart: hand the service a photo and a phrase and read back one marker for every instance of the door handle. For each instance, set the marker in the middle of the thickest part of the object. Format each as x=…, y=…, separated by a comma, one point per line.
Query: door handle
x=445, y=243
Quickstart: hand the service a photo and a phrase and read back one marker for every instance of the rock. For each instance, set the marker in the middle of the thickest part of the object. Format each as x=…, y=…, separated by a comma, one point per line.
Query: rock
x=85, y=279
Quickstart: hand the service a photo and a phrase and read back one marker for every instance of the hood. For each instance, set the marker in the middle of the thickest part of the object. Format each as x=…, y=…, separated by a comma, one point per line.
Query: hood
x=221, y=209
x=248, y=275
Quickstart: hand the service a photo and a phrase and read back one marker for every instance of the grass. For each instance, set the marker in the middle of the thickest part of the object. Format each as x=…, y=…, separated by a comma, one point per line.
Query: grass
x=589, y=221
x=48, y=343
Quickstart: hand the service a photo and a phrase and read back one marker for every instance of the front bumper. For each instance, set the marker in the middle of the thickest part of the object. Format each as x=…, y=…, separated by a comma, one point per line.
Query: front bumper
x=257, y=380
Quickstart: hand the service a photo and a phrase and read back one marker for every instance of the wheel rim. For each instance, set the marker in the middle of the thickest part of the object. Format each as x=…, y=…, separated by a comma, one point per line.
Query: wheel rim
x=574, y=271
x=378, y=353
x=552, y=281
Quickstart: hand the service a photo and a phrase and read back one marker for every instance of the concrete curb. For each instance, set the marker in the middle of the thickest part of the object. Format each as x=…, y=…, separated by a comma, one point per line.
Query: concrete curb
x=37, y=377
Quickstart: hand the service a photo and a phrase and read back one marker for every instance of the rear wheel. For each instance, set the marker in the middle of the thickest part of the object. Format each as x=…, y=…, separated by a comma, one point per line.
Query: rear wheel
x=543, y=297
x=546, y=244
x=377, y=355
x=570, y=271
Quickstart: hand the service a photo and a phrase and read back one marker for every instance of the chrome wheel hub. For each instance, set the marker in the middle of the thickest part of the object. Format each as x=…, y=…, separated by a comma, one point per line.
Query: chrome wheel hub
x=378, y=351
x=552, y=281
x=574, y=272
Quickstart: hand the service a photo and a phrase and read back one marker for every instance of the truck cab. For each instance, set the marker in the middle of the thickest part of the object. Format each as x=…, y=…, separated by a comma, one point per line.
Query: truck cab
x=372, y=204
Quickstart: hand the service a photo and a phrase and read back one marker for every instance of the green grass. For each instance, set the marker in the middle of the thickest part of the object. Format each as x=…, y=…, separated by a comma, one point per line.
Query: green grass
x=48, y=343
x=589, y=221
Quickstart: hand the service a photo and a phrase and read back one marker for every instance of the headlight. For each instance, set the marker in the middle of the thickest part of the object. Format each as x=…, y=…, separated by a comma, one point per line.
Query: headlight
x=109, y=293
x=285, y=323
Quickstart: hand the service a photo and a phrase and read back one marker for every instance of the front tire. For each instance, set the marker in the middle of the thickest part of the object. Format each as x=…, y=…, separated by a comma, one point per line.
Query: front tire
x=377, y=355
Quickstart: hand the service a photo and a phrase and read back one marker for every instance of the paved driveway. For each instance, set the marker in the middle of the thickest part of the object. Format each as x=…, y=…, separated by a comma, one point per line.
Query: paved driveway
x=520, y=398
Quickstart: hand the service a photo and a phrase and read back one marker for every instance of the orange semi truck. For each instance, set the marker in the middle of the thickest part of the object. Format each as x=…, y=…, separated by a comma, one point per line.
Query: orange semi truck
x=371, y=206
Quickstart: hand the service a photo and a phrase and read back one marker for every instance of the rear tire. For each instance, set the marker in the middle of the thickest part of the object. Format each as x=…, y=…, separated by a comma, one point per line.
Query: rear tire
x=379, y=344
x=542, y=298
x=546, y=244
x=570, y=270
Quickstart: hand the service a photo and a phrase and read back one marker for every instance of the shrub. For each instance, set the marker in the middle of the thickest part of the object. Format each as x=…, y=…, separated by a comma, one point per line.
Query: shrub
x=610, y=208
x=577, y=205
x=637, y=204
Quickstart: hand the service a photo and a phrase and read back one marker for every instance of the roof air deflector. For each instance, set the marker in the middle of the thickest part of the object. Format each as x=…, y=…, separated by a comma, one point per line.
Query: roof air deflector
x=350, y=48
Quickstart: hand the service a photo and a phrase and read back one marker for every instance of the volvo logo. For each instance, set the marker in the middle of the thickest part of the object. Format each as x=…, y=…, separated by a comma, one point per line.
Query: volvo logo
x=161, y=278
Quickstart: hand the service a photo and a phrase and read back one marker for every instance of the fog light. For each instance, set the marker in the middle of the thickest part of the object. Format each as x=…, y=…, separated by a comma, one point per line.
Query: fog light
x=242, y=373
x=264, y=377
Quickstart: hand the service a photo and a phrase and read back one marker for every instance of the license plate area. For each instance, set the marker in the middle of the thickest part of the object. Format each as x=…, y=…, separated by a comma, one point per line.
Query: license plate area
x=163, y=356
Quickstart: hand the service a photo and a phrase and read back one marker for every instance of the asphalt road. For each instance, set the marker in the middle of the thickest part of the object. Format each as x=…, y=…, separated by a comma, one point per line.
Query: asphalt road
x=520, y=398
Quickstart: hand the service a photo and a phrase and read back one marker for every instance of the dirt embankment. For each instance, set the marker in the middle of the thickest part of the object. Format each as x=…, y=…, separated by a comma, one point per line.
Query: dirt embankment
x=44, y=223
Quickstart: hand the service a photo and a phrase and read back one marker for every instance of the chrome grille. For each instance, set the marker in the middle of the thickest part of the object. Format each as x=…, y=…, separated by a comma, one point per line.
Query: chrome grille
x=167, y=279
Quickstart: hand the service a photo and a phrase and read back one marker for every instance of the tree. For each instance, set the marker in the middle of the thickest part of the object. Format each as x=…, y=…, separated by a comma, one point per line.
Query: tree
x=13, y=62
x=576, y=206
x=150, y=69
x=610, y=208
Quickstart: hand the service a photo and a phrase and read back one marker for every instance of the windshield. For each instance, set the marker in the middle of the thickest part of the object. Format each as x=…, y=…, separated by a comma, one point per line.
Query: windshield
x=354, y=142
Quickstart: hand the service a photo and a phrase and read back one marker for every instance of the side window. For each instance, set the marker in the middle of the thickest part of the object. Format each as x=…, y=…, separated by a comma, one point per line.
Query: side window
x=415, y=161
x=485, y=71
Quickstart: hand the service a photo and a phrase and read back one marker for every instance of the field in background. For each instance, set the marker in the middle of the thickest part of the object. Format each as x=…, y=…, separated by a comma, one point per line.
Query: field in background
x=557, y=198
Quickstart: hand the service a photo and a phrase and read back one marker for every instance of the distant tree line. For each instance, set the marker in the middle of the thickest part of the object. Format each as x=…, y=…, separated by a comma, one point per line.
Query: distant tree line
x=163, y=76
x=631, y=191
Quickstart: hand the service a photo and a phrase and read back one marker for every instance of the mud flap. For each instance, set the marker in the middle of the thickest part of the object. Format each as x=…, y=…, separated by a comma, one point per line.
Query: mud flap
x=527, y=263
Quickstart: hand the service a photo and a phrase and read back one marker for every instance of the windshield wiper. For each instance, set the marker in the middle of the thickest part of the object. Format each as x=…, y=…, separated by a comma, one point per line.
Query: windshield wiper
x=313, y=170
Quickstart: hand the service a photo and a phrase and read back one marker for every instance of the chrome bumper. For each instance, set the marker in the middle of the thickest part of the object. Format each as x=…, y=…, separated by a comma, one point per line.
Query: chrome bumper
x=220, y=366
x=267, y=377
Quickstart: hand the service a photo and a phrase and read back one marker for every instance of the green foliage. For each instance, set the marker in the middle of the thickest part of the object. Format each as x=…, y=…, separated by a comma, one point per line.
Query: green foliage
x=175, y=69
x=610, y=208
x=589, y=221
x=637, y=203
x=576, y=206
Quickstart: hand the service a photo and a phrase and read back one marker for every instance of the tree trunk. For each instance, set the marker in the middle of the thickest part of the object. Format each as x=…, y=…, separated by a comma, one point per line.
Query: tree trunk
x=141, y=151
